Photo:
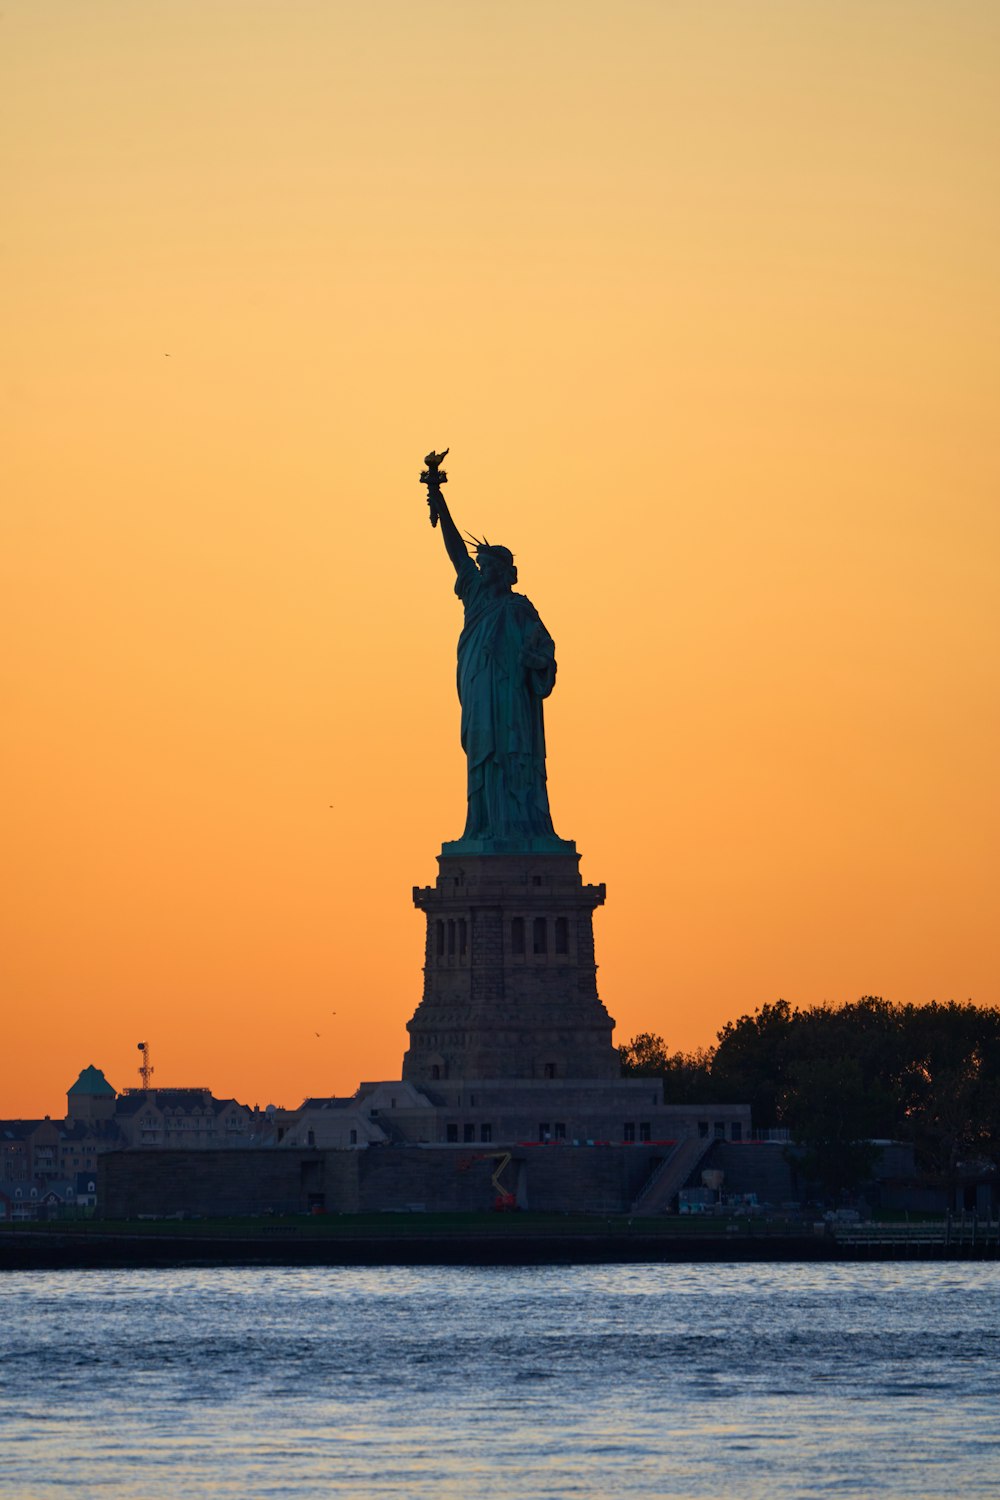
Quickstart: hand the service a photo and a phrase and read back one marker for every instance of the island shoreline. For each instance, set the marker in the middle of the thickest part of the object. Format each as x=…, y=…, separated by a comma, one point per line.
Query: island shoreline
x=47, y=1251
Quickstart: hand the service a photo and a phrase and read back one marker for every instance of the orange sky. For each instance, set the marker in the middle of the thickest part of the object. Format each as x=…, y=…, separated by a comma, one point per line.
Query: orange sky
x=703, y=297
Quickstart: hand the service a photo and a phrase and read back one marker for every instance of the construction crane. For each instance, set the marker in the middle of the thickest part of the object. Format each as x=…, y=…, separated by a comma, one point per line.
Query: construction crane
x=145, y=1070
x=504, y=1201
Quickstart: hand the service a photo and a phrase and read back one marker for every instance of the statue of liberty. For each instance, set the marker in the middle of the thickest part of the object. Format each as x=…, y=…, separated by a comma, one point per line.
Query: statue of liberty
x=506, y=668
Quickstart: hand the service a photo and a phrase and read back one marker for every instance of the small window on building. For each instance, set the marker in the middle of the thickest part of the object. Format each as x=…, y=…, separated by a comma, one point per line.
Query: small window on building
x=486, y=1132
x=451, y=1134
x=517, y=935
x=539, y=935
x=736, y=1131
x=544, y=1132
x=468, y=1132
x=559, y=1130
x=354, y=1137
x=439, y=938
x=311, y=1138
x=536, y=880
x=463, y=937
x=645, y=1133
x=702, y=1129
x=435, y=1070
x=562, y=935
x=451, y=937
x=550, y=1070
x=628, y=1131
x=719, y=1130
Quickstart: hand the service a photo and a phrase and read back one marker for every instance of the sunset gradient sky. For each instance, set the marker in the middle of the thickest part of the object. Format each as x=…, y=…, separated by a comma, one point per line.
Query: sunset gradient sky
x=703, y=294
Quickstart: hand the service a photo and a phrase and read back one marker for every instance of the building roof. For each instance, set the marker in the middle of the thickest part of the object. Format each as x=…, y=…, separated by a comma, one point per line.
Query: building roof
x=18, y=1130
x=173, y=1102
x=181, y=1101
x=92, y=1083
x=63, y=1190
x=131, y=1103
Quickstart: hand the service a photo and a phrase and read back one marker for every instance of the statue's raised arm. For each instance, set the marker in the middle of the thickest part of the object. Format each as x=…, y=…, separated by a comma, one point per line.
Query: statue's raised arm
x=434, y=477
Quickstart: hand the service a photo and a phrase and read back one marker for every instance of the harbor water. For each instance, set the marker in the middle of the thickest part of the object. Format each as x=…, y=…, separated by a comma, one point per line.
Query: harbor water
x=514, y=1384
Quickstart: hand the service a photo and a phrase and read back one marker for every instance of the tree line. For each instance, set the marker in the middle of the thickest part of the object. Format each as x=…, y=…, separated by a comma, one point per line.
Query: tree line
x=838, y=1078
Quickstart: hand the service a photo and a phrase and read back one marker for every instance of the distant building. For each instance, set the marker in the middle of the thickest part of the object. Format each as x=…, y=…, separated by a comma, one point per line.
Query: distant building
x=50, y=1167
x=15, y=1149
x=86, y=1190
x=21, y=1200
x=188, y=1119
x=373, y=1116
x=91, y=1097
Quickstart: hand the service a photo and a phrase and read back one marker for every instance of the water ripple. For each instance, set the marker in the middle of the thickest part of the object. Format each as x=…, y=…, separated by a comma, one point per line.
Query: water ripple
x=539, y=1383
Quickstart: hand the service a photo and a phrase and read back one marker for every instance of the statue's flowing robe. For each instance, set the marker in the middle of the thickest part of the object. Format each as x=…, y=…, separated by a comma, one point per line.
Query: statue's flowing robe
x=503, y=735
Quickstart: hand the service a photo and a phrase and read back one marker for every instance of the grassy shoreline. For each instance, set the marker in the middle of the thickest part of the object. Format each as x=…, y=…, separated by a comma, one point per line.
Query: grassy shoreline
x=409, y=1225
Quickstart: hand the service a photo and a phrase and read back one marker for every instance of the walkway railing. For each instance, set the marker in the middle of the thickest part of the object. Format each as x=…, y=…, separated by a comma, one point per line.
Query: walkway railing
x=951, y=1231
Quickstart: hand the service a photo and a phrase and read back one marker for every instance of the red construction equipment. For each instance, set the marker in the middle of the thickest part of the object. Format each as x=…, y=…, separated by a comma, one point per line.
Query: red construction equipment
x=504, y=1202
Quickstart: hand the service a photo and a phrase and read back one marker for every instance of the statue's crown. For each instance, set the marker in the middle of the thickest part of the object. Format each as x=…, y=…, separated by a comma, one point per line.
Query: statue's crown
x=492, y=549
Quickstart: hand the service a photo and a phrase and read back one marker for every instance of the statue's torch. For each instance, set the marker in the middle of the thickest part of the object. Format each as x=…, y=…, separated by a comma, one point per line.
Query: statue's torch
x=434, y=477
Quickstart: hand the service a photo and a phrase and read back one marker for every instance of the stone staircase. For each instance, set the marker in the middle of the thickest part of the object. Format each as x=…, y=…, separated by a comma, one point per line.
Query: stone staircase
x=665, y=1181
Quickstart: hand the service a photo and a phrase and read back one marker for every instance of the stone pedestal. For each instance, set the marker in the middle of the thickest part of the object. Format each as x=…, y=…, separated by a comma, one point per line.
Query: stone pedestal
x=510, y=981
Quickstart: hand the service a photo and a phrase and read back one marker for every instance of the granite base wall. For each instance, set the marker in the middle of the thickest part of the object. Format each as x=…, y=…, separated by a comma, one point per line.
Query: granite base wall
x=554, y=1179
x=439, y=1179
x=760, y=1167
x=225, y=1184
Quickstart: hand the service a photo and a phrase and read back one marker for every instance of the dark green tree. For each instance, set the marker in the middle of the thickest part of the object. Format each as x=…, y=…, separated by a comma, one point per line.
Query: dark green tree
x=832, y=1116
x=645, y=1056
x=952, y=1107
x=840, y=1077
x=751, y=1061
x=687, y=1076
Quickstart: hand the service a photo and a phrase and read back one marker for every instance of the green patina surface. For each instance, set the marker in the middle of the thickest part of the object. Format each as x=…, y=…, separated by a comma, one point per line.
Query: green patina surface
x=93, y=1083
x=506, y=669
